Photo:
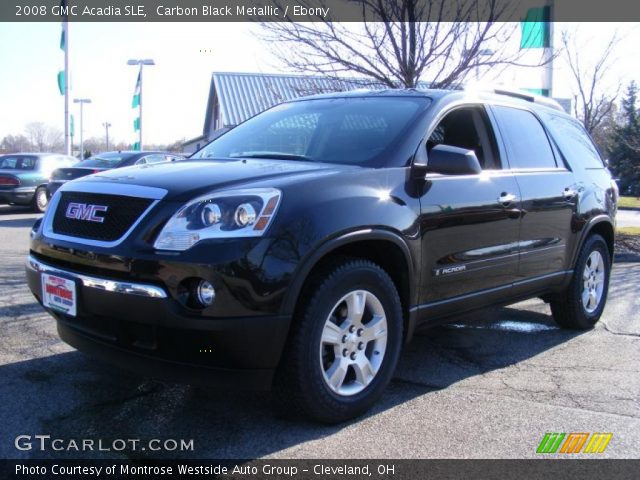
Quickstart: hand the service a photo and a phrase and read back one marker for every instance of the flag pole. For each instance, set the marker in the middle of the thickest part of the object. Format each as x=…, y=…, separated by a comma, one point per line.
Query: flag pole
x=549, y=52
x=140, y=111
x=67, y=137
x=137, y=95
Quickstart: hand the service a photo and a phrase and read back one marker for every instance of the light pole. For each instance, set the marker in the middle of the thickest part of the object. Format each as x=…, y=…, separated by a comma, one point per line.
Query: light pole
x=141, y=63
x=81, y=101
x=106, y=126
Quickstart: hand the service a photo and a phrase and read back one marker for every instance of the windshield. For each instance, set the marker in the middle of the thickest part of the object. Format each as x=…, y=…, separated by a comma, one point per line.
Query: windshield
x=18, y=162
x=354, y=131
x=105, y=160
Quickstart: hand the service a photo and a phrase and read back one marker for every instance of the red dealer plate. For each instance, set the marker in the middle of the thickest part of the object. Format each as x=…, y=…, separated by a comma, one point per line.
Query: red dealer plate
x=59, y=294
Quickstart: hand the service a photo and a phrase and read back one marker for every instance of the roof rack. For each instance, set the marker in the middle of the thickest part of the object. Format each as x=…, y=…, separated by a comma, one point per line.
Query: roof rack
x=522, y=95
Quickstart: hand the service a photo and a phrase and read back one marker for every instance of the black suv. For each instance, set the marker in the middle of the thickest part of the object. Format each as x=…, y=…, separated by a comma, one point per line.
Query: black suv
x=302, y=248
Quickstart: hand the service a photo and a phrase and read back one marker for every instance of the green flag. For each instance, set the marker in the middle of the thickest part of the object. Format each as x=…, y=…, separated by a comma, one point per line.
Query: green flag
x=538, y=91
x=63, y=40
x=61, y=81
x=136, y=94
x=136, y=124
x=535, y=28
x=136, y=146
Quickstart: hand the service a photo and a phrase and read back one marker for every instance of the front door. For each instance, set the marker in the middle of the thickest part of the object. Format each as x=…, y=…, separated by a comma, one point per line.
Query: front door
x=469, y=223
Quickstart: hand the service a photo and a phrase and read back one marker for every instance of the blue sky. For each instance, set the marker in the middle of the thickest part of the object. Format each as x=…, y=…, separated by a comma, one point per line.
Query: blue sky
x=176, y=89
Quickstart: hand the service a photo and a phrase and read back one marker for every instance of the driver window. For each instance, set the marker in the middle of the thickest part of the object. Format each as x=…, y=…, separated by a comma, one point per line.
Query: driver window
x=467, y=128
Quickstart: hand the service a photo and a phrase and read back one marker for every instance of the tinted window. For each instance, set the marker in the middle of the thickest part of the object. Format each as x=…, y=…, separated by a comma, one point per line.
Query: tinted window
x=105, y=160
x=525, y=138
x=467, y=128
x=573, y=141
x=18, y=162
x=353, y=131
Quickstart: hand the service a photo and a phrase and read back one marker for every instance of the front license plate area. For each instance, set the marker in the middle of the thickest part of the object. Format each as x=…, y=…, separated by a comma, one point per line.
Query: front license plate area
x=59, y=293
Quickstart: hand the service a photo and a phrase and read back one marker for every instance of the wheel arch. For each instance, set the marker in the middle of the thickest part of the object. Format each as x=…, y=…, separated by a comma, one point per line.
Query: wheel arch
x=386, y=249
x=601, y=225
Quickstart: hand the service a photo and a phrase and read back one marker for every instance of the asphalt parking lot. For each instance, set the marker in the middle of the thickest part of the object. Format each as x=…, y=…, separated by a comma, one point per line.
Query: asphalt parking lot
x=488, y=386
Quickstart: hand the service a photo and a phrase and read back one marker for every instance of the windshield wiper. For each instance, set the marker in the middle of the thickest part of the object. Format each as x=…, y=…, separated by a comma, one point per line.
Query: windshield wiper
x=272, y=155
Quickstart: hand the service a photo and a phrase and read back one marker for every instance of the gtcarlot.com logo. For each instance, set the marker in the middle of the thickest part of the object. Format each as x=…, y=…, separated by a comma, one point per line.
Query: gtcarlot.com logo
x=574, y=442
x=47, y=443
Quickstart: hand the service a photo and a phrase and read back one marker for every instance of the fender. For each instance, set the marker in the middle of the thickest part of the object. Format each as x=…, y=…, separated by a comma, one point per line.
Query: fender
x=304, y=268
x=598, y=219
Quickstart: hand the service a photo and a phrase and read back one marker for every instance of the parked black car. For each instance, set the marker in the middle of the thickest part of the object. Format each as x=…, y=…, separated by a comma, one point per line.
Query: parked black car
x=304, y=247
x=24, y=176
x=106, y=161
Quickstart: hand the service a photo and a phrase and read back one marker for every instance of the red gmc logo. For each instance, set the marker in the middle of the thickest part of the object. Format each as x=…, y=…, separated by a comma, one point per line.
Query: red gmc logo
x=83, y=211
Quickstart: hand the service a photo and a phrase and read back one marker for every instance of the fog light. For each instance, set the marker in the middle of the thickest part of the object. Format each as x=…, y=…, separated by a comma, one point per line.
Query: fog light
x=206, y=293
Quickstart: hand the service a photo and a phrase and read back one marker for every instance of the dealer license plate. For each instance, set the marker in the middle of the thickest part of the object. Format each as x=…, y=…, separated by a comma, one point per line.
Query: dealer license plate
x=59, y=293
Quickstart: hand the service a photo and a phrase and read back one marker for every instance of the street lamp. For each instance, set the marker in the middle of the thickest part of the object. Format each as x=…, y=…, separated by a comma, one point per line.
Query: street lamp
x=141, y=63
x=106, y=126
x=81, y=101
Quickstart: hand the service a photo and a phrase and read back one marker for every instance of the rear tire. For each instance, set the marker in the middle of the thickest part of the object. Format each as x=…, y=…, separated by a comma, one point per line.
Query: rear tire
x=580, y=306
x=40, y=200
x=344, y=345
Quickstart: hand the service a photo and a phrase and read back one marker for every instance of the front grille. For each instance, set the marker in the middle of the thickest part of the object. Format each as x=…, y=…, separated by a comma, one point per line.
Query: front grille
x=121, y=213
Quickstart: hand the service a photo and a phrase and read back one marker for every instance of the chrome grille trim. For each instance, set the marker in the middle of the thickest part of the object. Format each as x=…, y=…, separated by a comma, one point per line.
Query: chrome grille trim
x=136, y=191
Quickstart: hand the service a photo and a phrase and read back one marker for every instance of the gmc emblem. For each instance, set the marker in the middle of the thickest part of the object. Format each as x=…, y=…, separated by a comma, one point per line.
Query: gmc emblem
x=83, y=211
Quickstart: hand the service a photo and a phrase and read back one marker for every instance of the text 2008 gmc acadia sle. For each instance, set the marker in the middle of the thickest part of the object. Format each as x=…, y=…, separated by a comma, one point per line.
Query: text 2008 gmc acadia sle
x=301, y=249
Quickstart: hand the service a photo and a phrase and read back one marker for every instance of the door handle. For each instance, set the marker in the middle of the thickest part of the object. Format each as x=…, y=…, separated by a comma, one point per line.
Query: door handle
x=506, y=198
x=569, y=193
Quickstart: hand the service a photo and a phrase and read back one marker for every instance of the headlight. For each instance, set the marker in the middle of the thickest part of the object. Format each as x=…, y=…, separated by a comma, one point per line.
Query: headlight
x=230, y=214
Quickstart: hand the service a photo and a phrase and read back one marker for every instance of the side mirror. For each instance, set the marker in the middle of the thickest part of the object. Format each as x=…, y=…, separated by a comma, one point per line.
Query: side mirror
x=450, y=160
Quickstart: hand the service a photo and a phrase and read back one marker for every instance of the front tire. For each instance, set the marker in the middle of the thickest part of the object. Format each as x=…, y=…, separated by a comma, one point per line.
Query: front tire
x=344, y=345
x=580, y=306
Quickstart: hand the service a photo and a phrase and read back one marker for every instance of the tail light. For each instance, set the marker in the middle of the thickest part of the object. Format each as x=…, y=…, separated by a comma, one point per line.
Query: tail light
x=6, y=180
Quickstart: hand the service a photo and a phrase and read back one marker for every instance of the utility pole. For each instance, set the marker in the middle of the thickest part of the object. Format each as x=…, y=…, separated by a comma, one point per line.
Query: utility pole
x=106, y=126
x=81, y=101
x=67, y=134
x=137, y=96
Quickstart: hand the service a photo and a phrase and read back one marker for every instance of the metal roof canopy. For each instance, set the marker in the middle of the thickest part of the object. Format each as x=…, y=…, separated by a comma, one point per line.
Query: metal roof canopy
x=235, y=97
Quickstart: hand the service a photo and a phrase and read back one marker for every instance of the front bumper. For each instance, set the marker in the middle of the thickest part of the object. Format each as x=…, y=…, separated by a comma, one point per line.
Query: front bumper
x=141, y=328
x=21, y=195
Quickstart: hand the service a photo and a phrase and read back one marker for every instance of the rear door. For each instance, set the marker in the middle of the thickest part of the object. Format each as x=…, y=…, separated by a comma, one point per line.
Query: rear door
x=549, y=197
x=469, y=223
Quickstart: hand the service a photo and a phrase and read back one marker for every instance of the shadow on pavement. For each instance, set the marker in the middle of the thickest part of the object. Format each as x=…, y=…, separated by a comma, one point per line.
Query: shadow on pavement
x=16, y=210
x=68, y=395
x=18, y=222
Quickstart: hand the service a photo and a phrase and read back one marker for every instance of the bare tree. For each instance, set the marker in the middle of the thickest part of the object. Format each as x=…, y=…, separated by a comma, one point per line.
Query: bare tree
x=37, y=135
x=392, y=47
x=44, y=138
x=593, y=99
x=15, y=143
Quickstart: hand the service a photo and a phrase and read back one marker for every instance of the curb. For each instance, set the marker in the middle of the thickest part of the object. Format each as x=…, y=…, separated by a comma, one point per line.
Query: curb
x=626, y=258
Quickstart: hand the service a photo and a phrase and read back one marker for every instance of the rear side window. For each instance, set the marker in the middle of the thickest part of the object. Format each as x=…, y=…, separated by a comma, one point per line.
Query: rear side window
x=156, y=158
x=526, y=140
x=573, y=141
x=18, y=162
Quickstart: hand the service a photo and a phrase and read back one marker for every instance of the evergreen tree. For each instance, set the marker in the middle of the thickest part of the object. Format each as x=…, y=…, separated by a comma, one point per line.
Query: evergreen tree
x=625, y=151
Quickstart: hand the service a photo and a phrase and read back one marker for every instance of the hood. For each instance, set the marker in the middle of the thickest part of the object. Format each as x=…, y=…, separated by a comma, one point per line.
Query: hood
x=189, y=178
